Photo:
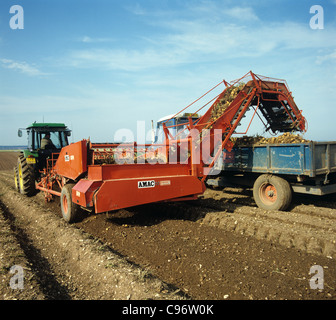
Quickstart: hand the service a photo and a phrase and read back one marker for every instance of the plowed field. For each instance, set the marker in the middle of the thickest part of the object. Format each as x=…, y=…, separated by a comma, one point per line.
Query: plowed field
x=221, y=246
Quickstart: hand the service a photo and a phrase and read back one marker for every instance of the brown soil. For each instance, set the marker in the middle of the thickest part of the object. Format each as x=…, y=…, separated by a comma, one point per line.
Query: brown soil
x=8, y=160
x=219, y=247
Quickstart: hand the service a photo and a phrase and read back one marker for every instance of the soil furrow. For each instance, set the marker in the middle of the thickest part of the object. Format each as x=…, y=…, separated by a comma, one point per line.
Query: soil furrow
x=222, y=201
x=39, y=265
x=305, y=232
x=84, y=267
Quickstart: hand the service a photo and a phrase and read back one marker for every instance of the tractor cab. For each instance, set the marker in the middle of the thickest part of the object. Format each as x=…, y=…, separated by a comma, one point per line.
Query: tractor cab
x=176, y=124
x=59, y=134
x=39, y=148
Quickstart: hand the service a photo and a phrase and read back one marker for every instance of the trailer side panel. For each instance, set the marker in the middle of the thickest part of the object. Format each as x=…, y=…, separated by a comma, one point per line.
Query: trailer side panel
x=310, y=159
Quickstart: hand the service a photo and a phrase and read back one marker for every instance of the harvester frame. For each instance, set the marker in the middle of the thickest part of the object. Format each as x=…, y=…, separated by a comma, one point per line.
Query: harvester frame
x=107, y=177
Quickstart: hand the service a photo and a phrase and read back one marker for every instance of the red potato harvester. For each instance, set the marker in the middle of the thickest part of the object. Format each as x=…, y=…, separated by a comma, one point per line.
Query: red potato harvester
x=110, y=176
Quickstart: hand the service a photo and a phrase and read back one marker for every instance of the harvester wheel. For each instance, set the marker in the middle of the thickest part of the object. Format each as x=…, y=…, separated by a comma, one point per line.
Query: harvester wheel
x=272, y=192
x=68, y=208
x=26, y=177
x=16, y=179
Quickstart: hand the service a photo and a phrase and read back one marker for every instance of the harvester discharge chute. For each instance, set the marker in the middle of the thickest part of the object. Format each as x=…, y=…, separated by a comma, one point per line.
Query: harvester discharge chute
x=269, y=96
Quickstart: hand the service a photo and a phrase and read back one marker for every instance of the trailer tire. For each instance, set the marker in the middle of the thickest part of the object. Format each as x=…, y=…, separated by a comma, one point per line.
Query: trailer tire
x=68, y=208
x=272, y=192
x=26, y=177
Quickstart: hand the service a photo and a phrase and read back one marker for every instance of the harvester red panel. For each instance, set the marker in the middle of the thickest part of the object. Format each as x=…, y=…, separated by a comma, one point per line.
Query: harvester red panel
x=72, y=160
x=83, y=191
x=123, y=193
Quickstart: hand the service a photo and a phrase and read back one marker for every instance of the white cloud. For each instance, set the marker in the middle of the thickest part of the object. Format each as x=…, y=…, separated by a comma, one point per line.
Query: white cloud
x=198, y=41
x=327, y=57
x=22, y=67
x=241, y=13
x=137, y=9
x=206, y=31
x=206, y=9
x=126, y=60
x=87, y=39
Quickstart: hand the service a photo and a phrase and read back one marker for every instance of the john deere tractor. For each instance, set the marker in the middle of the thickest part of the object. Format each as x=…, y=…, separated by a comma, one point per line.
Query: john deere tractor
x=33, y=160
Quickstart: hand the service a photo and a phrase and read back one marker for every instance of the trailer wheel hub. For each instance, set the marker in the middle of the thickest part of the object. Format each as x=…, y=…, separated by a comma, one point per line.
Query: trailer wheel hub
x=65, y=204
x=268, y=193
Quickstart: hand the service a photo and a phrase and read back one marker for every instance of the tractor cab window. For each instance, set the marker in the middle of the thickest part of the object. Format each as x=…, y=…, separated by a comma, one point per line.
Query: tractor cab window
x=160, y=136
x=55, y=138
x=33, y=139
x=182, y=131
x=64, y=138
x=37, y=139
x=178, y=128
x=30, y=139
x=58, y=139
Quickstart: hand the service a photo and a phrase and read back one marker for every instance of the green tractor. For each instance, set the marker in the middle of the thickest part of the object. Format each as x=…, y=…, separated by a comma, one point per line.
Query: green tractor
x=44, y=139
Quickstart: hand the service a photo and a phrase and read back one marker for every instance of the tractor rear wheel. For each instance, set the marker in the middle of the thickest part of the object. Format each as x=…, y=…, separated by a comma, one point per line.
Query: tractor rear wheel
x=26, y=177
x=68, y=208
x=16, y=179
x=272, y=192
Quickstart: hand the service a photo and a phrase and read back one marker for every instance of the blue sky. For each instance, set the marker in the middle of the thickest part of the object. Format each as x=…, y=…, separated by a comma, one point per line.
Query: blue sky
x=100, y=66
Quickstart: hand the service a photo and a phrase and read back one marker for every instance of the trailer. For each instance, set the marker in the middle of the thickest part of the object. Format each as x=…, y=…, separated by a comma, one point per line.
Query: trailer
x=102, y=177
x=275, y=171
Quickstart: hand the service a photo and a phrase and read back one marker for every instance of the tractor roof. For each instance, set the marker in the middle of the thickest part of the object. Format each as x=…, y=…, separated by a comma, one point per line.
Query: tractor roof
x=47, y=125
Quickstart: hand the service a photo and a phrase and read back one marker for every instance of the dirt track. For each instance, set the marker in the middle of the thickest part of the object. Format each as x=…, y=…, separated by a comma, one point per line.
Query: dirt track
x=219, y=247
x=8, y=160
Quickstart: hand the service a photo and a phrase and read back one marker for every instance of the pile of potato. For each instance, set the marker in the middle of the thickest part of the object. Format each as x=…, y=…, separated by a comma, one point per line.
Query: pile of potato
x=287, y=137
x=229, y=95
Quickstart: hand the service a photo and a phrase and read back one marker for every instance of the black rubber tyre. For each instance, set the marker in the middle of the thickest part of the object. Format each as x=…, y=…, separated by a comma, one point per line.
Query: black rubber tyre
x=272, y=192
x=26, y=177
x=68, y=208
x=16, y=179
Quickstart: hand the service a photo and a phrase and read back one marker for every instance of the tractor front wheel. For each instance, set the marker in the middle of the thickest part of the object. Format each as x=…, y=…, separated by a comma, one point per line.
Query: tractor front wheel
x=68, y=208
